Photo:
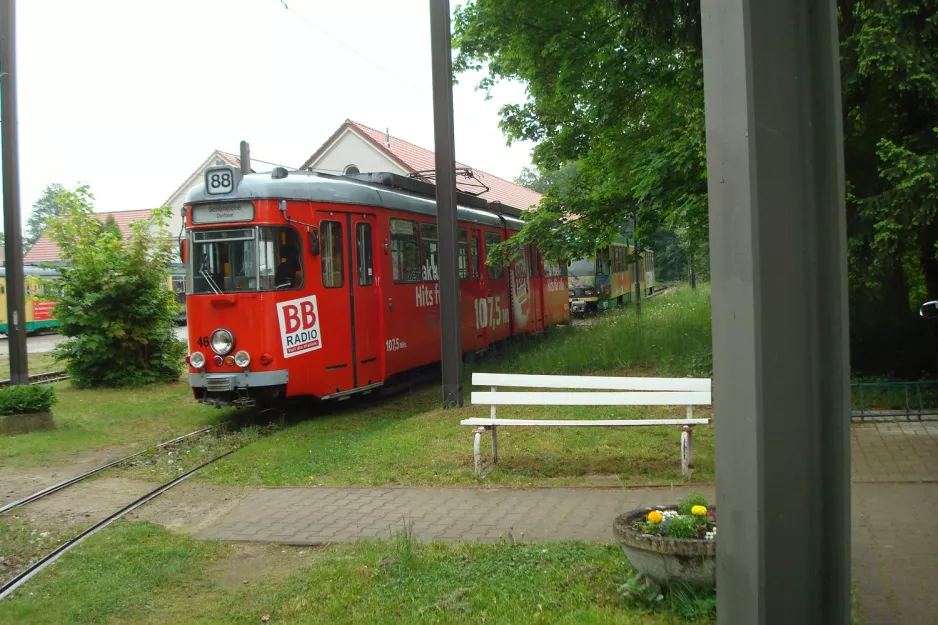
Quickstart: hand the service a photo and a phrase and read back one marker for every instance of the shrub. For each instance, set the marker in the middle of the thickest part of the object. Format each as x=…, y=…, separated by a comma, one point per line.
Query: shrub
x=26, y=399
x=112, y=301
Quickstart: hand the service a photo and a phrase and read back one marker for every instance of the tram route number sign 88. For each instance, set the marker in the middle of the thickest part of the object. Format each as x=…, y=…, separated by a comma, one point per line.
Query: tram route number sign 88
x=220, y=180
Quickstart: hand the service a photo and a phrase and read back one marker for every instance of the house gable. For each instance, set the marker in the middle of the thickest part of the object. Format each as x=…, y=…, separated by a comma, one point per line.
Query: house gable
x=352, y=149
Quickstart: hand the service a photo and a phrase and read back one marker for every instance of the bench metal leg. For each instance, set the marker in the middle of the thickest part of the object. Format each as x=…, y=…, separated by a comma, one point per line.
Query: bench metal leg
x=687, y=450
x=494, y=445
x=477, y=451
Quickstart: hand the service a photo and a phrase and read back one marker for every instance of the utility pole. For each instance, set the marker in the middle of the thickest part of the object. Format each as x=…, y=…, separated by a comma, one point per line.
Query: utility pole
x=442, y=63
x=245, y=158
x=16, y=295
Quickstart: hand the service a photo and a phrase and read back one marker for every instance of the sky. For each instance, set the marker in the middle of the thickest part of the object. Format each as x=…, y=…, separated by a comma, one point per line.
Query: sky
x=130, y=97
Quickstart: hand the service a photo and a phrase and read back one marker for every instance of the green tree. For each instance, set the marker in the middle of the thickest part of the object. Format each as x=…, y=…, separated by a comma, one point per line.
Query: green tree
x=45, y=208
x=617, y=86
x=616, y=89
x=112, y=301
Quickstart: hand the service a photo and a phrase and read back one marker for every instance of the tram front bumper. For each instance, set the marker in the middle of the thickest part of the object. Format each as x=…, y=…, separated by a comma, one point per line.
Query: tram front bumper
x=579, y=305
x=226, y=382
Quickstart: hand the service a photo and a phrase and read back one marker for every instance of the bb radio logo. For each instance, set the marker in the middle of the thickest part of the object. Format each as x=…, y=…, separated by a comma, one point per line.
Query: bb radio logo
x=299, y=326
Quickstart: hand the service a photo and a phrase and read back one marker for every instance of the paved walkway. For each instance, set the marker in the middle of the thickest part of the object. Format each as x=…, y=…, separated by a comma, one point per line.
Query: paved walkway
x=310, y=516
x=895, y=507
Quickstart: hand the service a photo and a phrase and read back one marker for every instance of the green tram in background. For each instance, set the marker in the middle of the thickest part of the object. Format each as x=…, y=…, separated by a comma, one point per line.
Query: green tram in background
x=40, y=312
x=605, y=280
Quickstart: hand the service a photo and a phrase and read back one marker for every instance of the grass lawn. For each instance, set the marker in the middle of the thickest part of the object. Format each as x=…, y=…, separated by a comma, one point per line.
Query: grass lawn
x=37, y=363
x=138, y=572
x=410, y=440
x=94, y=419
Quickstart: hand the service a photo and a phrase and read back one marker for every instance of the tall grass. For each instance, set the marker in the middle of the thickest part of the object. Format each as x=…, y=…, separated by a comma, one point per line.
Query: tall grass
x=671, y=337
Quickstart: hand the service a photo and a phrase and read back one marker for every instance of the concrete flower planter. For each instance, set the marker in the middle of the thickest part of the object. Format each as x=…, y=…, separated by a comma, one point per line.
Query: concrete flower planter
x=24, y=423
x=666, y=560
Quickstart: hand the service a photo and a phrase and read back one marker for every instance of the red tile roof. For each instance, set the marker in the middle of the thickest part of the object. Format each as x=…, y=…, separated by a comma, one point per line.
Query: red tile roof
x=414, y=158
x=45, y=251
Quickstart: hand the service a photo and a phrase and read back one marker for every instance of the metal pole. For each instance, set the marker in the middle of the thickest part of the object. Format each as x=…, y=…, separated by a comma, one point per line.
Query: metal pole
x=442, y=61
x=245, y=158
x=13, y=236
x=780, y=327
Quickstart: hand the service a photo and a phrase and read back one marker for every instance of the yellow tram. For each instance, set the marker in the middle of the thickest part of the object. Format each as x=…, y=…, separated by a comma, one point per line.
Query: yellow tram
x=40, y=311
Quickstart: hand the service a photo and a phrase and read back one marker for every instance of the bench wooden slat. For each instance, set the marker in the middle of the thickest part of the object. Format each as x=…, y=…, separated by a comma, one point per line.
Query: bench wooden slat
x=570, y=422
x=591, y=382
x=514, y=398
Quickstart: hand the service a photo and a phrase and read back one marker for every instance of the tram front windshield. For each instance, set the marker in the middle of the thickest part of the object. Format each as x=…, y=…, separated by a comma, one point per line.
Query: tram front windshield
x=245, y=259
x=582, y=268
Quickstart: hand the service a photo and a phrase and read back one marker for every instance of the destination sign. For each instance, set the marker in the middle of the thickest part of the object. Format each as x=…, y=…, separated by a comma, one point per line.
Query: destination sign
x=223, y=212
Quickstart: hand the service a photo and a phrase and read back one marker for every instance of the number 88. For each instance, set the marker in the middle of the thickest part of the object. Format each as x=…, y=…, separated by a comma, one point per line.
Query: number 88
x=220, y=181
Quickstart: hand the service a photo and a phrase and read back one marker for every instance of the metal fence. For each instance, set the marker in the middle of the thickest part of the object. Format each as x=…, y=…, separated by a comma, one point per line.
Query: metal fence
x=894, y=401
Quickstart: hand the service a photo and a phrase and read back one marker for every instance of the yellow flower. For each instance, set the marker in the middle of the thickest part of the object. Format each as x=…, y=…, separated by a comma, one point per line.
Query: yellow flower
x=699, y=510
x=655, y=517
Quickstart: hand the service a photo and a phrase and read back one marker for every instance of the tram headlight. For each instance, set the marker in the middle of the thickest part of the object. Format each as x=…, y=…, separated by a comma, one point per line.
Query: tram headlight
x=242, y=359
x=222, y=341
x=197, y=360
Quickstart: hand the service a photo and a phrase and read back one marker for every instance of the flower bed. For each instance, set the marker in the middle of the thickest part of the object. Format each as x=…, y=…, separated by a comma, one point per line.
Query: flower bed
x=693, y=518
x=671, y=543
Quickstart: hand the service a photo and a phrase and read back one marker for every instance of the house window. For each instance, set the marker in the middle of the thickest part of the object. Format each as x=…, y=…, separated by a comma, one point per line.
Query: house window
x=352, y=169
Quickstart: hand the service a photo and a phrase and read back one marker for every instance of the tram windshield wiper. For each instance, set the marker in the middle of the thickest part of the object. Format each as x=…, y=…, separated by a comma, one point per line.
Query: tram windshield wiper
x=211, y=282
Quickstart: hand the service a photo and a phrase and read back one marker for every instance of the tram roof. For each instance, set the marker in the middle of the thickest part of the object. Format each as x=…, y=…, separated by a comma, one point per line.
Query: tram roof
x=382, y=190
x=30, y=270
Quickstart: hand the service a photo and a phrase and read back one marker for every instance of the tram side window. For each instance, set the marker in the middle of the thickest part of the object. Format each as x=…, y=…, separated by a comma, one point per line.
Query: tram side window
x=476, y=250
x=405, y=251
x=462, y=248
x=535, y=266
x=430, y=272
x=333, y=269
x=603, y=257
x=365, y=261
x=494, y=272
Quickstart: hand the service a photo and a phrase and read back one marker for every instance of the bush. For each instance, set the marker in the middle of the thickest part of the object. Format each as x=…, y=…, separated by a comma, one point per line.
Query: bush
x=26, y=399
x=112, y=301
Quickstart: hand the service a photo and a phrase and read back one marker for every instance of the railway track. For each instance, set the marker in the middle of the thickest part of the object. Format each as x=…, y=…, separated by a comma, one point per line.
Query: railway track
x=41, y=378
x=31, y=571
x=78, y=478
x=8, y=588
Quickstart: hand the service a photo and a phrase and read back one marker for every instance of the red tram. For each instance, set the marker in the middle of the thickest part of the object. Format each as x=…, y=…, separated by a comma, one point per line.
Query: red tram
x=304, y=284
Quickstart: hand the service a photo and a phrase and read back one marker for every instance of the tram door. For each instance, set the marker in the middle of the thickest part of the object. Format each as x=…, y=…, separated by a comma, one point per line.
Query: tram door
x=368, y=343
x=347, y=301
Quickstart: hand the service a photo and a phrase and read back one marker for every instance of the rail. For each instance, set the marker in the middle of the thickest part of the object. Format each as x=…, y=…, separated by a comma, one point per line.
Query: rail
x=915, y=400
x=41, y=378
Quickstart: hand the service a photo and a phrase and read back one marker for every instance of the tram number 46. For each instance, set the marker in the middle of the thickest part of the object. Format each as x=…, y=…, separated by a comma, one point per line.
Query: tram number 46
x=489, y=313
x=203, y=341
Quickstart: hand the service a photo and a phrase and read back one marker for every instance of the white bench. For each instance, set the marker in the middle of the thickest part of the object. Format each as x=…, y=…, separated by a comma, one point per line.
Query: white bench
x=688, y=392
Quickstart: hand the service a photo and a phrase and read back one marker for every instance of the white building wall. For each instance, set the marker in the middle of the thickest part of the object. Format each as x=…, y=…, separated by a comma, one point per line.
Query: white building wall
x=350, y=149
